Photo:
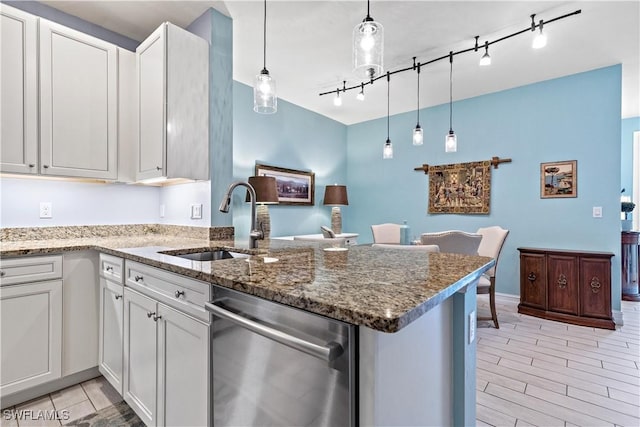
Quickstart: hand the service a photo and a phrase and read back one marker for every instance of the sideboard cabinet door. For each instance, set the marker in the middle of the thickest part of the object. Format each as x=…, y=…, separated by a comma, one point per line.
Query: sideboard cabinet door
x=595, y=287
x=563, y=284
x=533, y=277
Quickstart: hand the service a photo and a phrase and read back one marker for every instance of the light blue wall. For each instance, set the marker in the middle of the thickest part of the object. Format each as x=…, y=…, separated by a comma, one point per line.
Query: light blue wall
x=570, y=118
x=293, y=138
x=629, y=126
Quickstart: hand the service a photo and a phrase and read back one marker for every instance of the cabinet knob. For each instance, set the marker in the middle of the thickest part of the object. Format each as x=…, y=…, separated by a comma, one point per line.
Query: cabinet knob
x=31, y=165
x=158, y=168
x=562, y=281
x=179, y=294
x=155, y=318
x=595, y=285
x=117, y=296
x=2, y=273
x=109, y=268
x=151, y=314
x=532, y=277
x=138, y=279
x=45, y=166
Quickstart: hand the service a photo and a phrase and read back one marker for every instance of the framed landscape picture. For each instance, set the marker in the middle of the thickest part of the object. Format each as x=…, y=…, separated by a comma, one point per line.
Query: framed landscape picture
x=559, y=179
x=295, y=187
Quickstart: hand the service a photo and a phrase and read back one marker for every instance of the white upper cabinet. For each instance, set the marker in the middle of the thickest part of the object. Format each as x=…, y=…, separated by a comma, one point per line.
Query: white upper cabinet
x=173, y=105
x=18, y=91
x=78, y=104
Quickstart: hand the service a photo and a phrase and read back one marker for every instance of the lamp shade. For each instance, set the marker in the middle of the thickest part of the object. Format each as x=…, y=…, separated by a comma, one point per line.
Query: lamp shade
x=266, y=189
x=335, y=195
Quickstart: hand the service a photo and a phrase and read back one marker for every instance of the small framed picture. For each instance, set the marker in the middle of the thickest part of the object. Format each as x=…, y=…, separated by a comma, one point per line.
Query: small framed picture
x=295, y=187
x=559, y=179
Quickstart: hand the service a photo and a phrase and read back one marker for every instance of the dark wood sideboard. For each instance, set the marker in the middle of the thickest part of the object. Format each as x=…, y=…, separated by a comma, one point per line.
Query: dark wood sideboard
x=567, y=286
x=630, y=273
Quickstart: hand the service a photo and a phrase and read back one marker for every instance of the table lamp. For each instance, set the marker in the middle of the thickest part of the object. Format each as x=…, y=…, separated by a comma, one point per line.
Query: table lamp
x=336, y=196
x=266, y=194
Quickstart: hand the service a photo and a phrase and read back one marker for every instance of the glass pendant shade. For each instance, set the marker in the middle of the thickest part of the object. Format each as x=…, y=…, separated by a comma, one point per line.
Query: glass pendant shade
x=265, y=100
x=418, y=137
x=360, y=96
x=368, y=46
x=540, y=40
x=486, y=58
x=387, y=151
x=451, y=142
x=337, y=101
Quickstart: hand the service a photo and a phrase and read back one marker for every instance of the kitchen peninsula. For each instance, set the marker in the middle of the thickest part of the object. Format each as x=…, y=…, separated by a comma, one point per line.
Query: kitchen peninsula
x=414, y=312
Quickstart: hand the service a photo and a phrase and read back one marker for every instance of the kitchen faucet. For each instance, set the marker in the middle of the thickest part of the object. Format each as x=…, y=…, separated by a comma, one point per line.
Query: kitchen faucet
x=254, y=234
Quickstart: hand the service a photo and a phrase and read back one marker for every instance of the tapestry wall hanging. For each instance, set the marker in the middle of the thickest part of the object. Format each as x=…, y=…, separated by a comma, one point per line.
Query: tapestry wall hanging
x=460, y=188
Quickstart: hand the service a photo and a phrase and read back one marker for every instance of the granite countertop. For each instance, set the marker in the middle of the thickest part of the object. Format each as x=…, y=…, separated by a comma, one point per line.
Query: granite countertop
x=382, y=289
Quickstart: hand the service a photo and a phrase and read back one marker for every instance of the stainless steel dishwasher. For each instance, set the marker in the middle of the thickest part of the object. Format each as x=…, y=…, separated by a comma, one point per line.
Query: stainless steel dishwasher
x=274, y=365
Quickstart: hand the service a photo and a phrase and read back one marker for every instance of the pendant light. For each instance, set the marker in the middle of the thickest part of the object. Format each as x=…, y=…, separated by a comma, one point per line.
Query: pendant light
x=451, y=141
x=265, y=100
x=418, y=136
x=387, y=151
x=540, y=40
x=360, y=95
x=486, y=59
x=368, y=48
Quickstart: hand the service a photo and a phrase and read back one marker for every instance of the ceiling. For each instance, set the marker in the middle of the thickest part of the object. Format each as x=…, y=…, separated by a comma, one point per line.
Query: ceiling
x=309, y=45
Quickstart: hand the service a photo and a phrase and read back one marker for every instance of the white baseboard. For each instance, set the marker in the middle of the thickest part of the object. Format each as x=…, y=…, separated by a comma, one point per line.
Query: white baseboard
x=508, y=296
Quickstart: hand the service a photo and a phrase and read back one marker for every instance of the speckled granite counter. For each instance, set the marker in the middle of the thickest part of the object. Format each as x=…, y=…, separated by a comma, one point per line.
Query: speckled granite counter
x=382, y=289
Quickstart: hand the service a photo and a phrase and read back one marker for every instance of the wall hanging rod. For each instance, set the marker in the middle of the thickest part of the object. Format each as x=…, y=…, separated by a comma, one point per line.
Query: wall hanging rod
x=474, y=48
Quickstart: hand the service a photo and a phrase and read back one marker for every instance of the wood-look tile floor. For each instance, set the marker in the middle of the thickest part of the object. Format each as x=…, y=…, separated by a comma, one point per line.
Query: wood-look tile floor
x=539, y=372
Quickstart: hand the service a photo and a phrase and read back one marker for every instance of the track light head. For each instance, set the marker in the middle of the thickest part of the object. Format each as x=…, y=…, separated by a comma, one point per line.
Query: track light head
x=486, y=58
x=540, y=40
x=337, y=101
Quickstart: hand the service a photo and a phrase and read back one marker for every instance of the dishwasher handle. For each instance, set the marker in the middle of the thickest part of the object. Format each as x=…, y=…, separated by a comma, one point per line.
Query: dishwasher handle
x=327, y=353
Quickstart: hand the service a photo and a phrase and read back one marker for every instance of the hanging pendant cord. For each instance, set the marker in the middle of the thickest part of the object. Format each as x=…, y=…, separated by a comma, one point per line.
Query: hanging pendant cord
x=388, y=84
x=264, y=37
x=368, y=9
x=450, y=91
x=418, y=103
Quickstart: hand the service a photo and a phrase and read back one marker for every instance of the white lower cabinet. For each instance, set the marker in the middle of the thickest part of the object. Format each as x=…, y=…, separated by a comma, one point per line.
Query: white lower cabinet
x=166, y=352
x=30, y=324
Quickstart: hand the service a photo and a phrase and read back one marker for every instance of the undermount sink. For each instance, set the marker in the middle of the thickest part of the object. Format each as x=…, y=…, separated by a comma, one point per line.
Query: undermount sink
x=209, y=255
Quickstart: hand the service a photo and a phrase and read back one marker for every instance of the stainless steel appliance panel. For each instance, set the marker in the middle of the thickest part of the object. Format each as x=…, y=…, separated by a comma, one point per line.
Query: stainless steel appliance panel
x=278, y=366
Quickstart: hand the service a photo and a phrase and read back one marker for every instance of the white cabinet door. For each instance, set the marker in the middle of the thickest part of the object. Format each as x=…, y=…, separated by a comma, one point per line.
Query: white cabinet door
x=31, y=331
x=151, y=72
x=78, y=104
x=111, y=332
x=183, y=369
x=173, y=105
x=18, y=91
x=140, y=353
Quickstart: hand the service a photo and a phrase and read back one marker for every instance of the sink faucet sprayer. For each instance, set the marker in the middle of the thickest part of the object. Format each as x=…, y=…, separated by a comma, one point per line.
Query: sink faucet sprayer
x=254, y=234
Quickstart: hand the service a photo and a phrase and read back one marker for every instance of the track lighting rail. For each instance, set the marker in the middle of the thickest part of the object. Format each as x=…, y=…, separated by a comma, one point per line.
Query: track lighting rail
x=415, y=65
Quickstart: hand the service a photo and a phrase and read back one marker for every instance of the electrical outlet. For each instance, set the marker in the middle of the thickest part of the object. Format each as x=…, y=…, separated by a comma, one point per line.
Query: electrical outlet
x=597, y=211
x=472, y=326
x=196, y=211
x=45, y=210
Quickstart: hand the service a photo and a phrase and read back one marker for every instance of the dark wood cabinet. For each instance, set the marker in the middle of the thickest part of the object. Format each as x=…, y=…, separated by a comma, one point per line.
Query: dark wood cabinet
x=565, y=285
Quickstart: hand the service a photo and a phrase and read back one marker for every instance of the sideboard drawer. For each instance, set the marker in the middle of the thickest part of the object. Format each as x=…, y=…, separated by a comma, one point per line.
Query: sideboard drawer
x=111, y=268
x=30, y=269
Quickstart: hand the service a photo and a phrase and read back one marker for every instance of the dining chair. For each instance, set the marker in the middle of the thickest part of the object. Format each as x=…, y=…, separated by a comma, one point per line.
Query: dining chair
x=423, y=248
x=493, y=239
x=386, y=233
x=453, y=241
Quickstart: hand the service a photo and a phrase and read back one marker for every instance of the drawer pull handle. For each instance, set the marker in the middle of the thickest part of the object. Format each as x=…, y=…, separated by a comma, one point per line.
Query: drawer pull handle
x=179, y=294
x=138, y=279
x=109, y=268
x=531, y=277
x=158, y=168
x=595, y=285
x=562, y=281
x=117, y=296
x=155, y=318
x=151, y=314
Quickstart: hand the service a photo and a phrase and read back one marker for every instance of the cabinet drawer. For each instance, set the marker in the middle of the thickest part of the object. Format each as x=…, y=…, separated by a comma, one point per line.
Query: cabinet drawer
x=30, y=269
x=111, y=267
x=182, y=293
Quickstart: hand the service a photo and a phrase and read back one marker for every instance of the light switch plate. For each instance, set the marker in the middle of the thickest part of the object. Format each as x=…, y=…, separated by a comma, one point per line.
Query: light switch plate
x=196, y=211
x=45, y=210
x=597, y=211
